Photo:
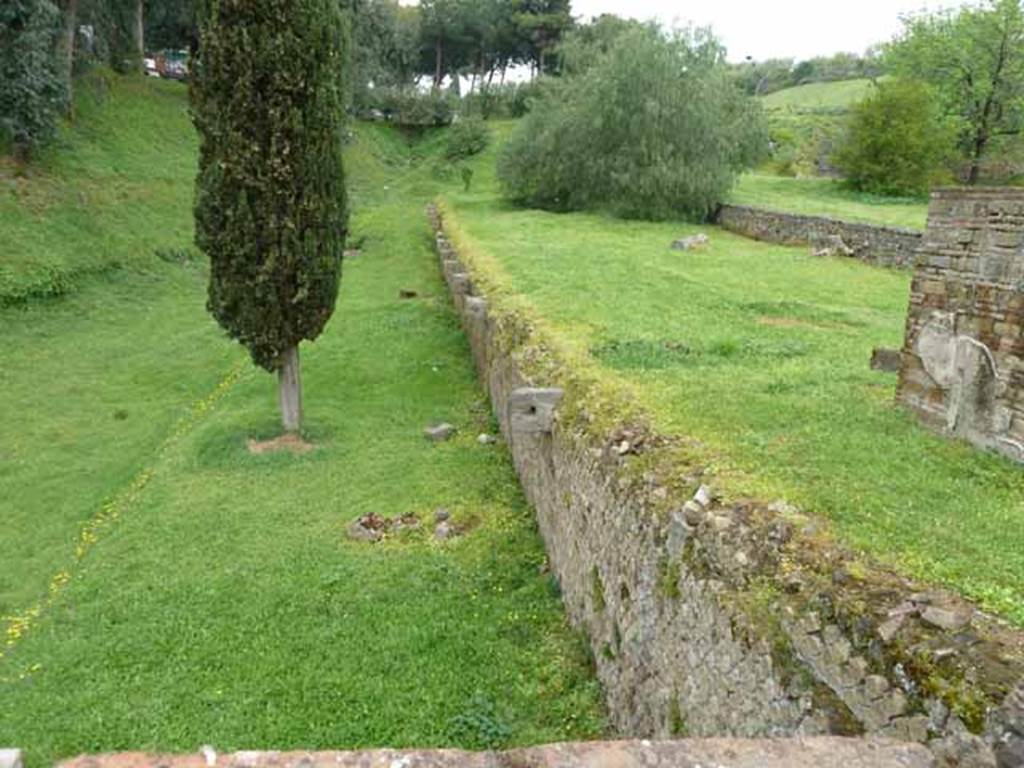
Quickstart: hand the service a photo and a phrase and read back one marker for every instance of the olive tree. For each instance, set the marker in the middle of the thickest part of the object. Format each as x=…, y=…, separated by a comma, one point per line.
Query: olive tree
x=656, y=128
x=270, y=205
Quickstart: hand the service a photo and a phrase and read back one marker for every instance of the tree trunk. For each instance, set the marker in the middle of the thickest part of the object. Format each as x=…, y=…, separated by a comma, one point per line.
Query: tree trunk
x=977, y=155
x=438, y=61
x=289, y=391
x=140, y=43
x=66, y=48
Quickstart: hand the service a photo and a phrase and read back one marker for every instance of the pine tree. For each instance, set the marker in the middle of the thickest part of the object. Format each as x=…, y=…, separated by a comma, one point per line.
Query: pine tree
x=270, y=210
x=32, y=94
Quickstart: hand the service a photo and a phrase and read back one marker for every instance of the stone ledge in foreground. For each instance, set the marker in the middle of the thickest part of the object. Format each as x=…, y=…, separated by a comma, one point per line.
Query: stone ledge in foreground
x=824, y=752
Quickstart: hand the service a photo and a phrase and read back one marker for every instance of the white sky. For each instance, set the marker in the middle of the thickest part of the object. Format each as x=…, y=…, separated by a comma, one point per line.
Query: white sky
x=765, y=29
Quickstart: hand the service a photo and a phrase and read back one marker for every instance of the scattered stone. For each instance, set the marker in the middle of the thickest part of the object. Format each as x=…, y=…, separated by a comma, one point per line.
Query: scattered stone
x=293, y=444
x=373, y=527
x=693, y=513
x=352, y=253
x=368, y=528
x=445, y=531
x=831, y=245
x=486, y=439
x=441, y=515
x=209, y=755
x=691, y=243
x=949, y=619
x=886, y=360
x=439, y=433
x=405, y=293
x=11, y=758
x=889, y=628
x=876, y=686
x=703, y=496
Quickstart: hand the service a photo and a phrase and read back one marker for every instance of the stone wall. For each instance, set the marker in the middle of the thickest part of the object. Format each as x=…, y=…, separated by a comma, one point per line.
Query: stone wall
x=884, y=246
x=709, y=616
x=963, y=357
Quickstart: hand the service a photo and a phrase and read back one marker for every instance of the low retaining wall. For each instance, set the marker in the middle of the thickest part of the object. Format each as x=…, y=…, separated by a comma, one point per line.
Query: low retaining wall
x=708, y=617
x=884, y=246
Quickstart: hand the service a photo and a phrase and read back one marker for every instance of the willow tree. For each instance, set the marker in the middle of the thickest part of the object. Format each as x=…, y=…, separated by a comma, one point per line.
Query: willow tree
x=270, y=210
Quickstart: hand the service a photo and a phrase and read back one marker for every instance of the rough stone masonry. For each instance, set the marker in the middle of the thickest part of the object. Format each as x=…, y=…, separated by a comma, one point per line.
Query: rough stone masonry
x=963, y=356
x=717, y=617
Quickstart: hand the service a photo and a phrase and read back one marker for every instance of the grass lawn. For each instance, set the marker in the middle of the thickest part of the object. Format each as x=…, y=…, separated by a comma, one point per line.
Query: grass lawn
x=762, y=353
x=199, y=594
x=827, y=197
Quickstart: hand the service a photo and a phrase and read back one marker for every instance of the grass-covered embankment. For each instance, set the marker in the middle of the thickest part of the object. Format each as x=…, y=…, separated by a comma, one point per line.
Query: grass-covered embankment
x=761, y=352
x=201, y=594
x=109, y=194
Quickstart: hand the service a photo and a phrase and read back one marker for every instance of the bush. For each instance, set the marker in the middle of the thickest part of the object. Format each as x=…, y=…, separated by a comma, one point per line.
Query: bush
x=655, y=129
x=895, y=142
x=510, y=100
x=407, y=106
x=32, y=93
x=466, y=138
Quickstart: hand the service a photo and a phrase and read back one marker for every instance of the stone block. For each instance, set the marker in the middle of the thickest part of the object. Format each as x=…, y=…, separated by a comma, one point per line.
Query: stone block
x=532, y=410
x=11, y=758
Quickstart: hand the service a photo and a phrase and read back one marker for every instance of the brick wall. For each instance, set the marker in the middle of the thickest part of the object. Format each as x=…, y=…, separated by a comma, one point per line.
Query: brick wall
x=963, y=356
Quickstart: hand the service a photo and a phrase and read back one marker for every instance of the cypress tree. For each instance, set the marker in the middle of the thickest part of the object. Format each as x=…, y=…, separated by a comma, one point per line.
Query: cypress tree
x=270, y=210
x=32, y=95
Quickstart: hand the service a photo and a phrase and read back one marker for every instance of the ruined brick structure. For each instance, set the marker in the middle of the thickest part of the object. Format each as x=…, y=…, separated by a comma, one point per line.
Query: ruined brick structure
x=963, y=355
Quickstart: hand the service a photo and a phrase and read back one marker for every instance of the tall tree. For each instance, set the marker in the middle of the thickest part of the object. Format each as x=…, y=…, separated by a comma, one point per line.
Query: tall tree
x=974, y=57
x=32, y=93
x=270, y=206
x=542, y=24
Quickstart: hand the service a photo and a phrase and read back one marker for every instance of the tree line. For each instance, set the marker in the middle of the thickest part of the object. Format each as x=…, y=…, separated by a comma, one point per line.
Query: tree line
x=44, y=43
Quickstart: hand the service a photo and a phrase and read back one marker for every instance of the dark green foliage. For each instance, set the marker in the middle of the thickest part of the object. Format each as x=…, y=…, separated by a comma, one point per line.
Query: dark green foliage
x=270, y=205
x=479, y=727
x=895, y=141
x=32, y=95
x=655, y=129
x=466, y=138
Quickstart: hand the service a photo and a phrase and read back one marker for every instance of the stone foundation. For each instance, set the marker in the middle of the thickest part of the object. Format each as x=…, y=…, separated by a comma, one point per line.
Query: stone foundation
x=712, y=617
x=963, y=358
x=883, y=246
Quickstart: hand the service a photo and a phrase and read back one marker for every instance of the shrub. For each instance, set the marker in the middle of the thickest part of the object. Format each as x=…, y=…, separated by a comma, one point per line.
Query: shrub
x=510, y=100
x=32, y=93
x=466, y=138
x=410, y=107
x=655, y=129
x=895, y=141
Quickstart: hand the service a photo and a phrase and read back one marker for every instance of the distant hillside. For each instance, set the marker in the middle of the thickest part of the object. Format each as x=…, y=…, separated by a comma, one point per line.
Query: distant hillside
x=804, y=120
x=814, y=97
x=111, y=193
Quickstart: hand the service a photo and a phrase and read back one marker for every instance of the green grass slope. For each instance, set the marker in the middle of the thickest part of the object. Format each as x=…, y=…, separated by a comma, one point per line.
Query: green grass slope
x=761, y=352
x=162, y=588
x=110, y=194
x=811, y=97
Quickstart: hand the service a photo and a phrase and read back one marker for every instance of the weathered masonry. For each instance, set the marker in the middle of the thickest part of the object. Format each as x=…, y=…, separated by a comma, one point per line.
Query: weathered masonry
x=963, y=357
x=883, y=246
x=717, y=617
